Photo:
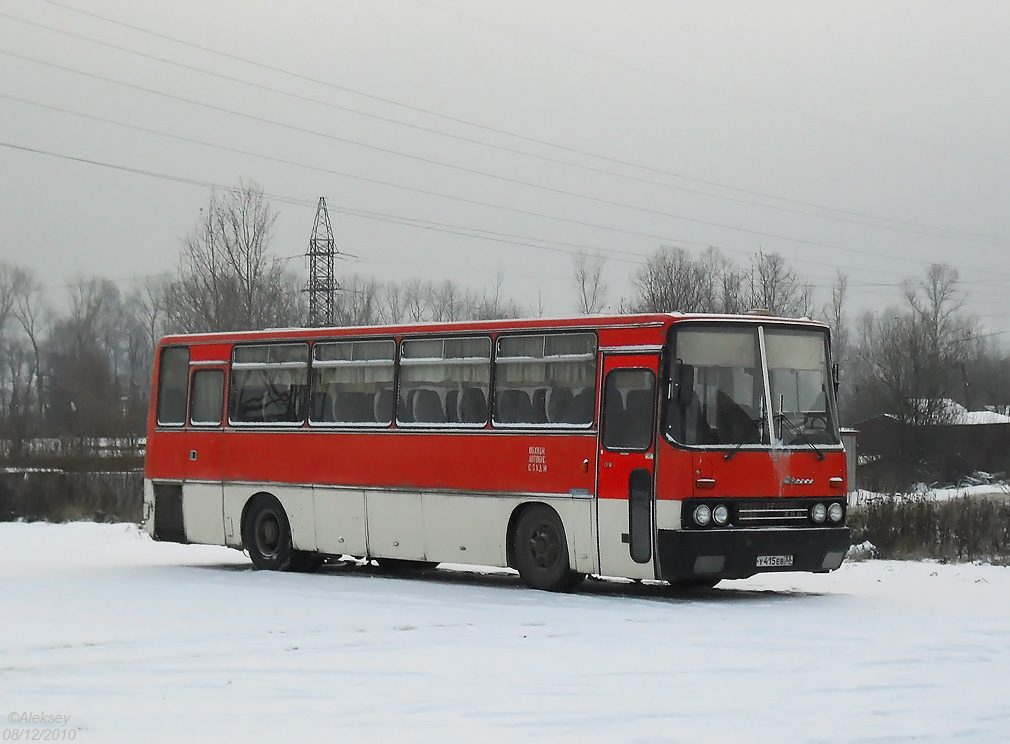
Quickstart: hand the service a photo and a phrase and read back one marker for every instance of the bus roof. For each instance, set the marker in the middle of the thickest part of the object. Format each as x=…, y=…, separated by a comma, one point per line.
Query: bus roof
x=586, y=322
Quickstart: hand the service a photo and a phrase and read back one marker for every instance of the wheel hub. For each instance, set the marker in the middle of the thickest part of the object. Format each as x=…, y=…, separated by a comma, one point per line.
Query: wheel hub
x=268, y=534
x=544, y=546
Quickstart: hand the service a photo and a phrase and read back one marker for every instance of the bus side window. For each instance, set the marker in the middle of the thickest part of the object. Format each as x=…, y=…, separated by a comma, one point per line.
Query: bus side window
x=207, y=397
x=545, y=379
x=173, y=378
x=268, y=383
x=440, y=377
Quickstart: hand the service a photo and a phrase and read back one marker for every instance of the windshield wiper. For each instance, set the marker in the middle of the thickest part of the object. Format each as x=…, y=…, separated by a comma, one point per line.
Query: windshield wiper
x=782, y=417
x=759, y=423
x=732, y=453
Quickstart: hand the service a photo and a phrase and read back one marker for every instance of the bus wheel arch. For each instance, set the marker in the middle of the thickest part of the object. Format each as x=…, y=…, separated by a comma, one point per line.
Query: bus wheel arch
x=537, y=547
x=266, y=533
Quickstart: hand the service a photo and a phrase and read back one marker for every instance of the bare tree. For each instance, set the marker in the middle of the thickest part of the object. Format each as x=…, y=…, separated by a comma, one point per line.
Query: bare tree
x=7, y=292
x=226, y=280
x=357, y=302
x=447, y=301
x=415, y=300
x=672, y=281
x=773, y=286
x=82, y=355
x=836, y=318
x=937, y=303
x=17, y=408
x=31, y=313
x=150, y=301
x=392, y=306
x=912, y=359
x=493, y=306
x=590, y=289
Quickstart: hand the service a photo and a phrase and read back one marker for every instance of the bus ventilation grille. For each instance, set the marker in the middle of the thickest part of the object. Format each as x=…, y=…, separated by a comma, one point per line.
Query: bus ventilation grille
x=772, y=512
x=168, y=525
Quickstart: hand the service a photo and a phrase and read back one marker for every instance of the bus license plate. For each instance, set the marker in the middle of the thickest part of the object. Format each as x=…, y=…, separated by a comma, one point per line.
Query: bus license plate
x=777, y=561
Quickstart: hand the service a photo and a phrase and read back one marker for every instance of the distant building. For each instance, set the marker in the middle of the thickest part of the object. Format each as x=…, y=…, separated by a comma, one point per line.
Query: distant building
x=967, y=441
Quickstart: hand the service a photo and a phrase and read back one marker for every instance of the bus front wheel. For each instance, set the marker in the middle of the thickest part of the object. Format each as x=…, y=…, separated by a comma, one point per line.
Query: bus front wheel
x=267, y=534
x=541, y=551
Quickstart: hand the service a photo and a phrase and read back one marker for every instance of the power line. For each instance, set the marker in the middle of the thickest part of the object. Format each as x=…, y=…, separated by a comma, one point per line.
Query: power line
x=713, y=89
x=563, y=192
x=439, y=227
x=502, y=238
x=845, y=215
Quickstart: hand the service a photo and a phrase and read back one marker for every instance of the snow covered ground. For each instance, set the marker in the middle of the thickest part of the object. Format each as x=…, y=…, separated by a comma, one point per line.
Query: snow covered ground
x=140, y=641
x=997, y=490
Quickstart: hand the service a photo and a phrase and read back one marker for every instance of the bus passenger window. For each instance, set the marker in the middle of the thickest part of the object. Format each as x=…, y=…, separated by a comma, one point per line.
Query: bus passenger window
x=207, y=402
x=444, y=381
x=352, y=382
x=173, y=376
x=545, y=379
x=269, y=383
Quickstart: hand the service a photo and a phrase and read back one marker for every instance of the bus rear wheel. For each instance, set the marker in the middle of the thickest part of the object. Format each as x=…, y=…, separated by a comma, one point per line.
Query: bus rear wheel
x=541, y=551
x=267, y=534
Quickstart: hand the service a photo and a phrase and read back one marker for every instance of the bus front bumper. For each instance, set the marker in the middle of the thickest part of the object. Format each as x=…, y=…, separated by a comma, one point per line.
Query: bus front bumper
x=739, y=553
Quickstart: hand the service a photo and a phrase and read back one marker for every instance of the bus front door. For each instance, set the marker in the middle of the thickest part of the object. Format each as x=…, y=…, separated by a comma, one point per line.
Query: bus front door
x=625, y=487
x=202, y=492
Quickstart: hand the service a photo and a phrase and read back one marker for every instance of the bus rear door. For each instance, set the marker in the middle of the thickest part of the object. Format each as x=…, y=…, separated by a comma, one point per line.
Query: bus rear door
x=625, y=488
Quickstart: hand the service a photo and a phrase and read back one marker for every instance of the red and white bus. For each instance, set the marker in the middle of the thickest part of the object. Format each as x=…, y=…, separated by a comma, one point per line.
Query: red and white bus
x=687, y=448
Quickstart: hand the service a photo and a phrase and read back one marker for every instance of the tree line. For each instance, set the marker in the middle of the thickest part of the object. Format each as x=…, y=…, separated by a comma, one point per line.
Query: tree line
x=84, y=371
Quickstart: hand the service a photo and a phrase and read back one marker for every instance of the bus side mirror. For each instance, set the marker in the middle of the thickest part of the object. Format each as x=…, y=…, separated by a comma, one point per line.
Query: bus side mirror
x=835, y=378
x=683, y=383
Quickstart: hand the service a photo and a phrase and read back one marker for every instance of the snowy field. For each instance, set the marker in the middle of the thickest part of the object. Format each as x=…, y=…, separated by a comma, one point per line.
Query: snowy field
x=139, y=641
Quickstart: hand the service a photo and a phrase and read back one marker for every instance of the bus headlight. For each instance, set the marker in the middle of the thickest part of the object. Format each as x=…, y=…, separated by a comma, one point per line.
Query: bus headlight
x=818, y=513
x=836, y=512
x=720, y=515
x=702, y=515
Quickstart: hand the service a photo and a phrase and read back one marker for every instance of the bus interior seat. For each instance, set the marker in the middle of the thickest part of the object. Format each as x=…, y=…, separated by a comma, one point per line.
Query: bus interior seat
x=428, y=407
x=540, y=405
x=733, y=424
x=352, y=407
x=639, y=404
x=473, y=406
x=580, y=409
x=514, y=407
x=451, y=406
x=696, y=427
x=382, y=406
x=638, y=416
x=326, y=408
x=556, y=401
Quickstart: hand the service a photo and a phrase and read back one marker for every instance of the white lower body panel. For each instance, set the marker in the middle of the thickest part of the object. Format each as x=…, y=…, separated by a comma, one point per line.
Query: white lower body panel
x=443, y=527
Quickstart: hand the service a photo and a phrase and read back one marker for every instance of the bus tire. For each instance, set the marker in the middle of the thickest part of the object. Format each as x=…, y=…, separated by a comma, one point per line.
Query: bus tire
x=541, y=551
x=266, y=534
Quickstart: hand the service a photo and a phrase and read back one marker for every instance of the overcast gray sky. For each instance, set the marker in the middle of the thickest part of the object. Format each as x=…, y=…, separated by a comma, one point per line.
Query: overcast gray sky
x=870, y=137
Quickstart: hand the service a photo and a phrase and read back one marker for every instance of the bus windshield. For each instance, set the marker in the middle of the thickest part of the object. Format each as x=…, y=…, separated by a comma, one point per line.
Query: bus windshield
x=718, y=393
